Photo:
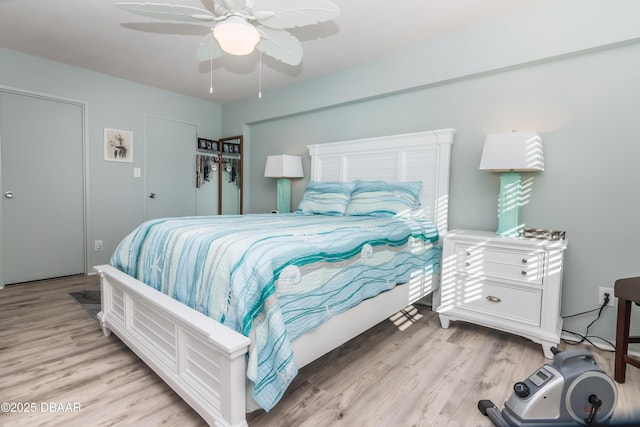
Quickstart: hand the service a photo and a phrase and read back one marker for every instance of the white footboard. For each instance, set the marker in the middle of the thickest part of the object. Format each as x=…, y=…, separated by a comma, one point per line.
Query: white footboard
x=200, y=359
x=204, y=361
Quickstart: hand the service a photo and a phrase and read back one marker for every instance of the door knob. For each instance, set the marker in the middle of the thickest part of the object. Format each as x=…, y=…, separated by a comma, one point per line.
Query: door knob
x=152, y=195
x=9, y=194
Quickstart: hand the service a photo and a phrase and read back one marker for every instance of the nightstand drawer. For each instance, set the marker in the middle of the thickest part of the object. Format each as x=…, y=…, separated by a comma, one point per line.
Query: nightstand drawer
x=524, y=266
x=512, y=303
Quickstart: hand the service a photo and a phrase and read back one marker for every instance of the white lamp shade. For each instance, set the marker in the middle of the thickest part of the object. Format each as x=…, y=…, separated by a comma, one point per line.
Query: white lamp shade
x=284, y=166
x=236, y=36
x=515, y=151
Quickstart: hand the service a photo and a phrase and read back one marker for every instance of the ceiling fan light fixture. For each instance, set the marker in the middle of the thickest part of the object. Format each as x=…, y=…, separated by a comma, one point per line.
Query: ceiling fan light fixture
x=236, y=36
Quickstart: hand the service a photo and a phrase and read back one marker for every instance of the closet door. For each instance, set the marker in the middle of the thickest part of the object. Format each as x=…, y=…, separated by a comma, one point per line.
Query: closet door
x=171, y=159
x=41, y=150
x=231, y=179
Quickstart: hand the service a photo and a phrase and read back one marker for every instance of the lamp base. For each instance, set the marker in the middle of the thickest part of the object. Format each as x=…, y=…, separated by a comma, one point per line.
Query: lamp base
x=509, y=205
x=283, y=195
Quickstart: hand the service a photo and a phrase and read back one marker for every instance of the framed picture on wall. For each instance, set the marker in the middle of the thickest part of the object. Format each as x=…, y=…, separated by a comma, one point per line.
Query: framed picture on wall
x=207, y=145
x=118, y=145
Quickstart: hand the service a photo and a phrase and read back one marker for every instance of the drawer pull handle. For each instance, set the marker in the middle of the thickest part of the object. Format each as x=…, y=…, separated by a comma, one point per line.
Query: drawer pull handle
x=524, y=260
x=493, y=299
x=468, y=253
x=468, y=264
x=523, y=272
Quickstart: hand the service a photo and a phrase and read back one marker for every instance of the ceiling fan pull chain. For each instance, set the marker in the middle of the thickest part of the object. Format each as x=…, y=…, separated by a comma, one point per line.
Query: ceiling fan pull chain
x=211, y=66
x=260, y=78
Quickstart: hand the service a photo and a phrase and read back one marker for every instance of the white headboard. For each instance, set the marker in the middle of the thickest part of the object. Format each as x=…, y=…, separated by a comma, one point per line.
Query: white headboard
x=420, y=156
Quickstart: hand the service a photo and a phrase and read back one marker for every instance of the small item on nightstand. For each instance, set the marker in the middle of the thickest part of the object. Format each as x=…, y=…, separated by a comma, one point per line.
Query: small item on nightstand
x=539, y=233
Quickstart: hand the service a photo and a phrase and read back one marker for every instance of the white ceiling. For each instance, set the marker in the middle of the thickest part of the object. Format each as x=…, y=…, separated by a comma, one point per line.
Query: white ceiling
x=96, y=35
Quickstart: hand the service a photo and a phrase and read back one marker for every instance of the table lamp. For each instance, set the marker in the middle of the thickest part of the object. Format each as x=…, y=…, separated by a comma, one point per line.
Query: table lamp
x=284, y=167
x=511, y=153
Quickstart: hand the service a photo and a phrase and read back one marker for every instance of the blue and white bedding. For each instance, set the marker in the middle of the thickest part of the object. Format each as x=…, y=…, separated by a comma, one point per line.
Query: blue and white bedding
x=275, y=277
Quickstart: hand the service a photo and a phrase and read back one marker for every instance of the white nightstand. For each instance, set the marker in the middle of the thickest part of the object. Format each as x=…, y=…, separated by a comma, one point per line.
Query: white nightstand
x=512, y=284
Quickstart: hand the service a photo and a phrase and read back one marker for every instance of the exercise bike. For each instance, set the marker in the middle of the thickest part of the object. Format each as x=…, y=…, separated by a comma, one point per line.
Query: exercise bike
x=571, y=390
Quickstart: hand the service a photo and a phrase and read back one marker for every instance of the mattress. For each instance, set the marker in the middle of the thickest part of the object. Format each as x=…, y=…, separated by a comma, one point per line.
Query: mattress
x=276, y=277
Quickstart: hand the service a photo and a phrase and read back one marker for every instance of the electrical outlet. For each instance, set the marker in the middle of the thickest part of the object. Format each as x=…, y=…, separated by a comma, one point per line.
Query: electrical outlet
x=97, y=245
x=601, y=292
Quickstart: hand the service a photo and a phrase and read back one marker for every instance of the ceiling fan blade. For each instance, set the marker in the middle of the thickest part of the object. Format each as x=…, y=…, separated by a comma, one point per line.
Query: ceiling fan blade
x=279, y=44
x=168, y=11
x=209, y=48
x=283, y=14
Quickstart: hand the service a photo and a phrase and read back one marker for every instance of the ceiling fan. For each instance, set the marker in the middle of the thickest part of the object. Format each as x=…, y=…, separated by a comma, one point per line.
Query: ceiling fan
x=242, y=25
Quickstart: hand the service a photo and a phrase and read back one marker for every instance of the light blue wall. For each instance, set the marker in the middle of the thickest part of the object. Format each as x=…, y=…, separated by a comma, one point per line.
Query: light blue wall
x=116, y=200
x=566, y=69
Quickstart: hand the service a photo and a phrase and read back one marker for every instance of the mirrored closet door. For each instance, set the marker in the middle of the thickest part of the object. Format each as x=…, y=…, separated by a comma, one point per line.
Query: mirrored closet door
x=230, y=182
x=219, y=165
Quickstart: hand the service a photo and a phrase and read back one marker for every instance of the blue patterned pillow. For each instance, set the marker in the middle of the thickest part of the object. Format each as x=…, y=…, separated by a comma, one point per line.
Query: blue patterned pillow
x=380, y=198
x=326, y=198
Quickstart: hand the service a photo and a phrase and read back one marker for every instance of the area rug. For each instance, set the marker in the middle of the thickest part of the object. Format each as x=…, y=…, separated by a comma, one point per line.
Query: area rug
x=89, y=300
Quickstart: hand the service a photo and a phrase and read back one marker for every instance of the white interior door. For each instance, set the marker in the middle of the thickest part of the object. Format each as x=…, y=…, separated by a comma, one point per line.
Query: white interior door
x=41, y=143
x=171, y=165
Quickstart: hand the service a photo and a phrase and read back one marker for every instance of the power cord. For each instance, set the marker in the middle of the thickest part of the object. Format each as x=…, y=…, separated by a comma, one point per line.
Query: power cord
x=586, y=336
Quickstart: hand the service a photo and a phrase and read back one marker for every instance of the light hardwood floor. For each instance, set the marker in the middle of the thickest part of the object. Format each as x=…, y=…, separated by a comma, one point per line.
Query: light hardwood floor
x=406, y=372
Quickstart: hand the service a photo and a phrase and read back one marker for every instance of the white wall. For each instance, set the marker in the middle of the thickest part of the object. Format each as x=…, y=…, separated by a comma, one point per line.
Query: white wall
x=116, y=201
x=566, y=69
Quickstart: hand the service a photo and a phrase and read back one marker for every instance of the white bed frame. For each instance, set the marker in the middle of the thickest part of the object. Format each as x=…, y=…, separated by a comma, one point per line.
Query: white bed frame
x=204, y=361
